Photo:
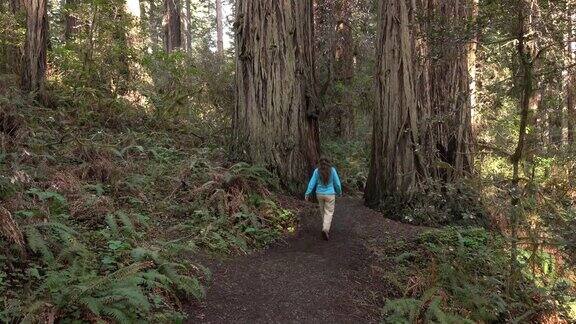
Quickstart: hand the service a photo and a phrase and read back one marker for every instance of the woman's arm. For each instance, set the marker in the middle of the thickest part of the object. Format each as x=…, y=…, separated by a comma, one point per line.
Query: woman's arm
x=337, y=184
x=312, y=183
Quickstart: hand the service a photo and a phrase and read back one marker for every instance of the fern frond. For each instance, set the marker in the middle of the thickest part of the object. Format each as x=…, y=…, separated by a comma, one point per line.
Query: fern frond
x=37, y=243
x=134, y=296
x=116, y=314
x=92, y=304
x=126, y=222
x=112, y=224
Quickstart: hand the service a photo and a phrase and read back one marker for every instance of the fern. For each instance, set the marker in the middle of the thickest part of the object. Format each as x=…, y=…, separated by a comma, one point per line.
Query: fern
x=37, y=243
x=126, y=222
x=189, y=285
x=112, y=224
x=117, y=314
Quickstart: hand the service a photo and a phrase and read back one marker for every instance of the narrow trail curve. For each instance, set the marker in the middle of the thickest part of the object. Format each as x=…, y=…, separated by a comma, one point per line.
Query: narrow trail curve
x=307, y=279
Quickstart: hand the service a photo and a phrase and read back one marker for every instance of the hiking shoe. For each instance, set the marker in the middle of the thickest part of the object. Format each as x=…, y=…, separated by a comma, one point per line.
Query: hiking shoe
x=325, y=235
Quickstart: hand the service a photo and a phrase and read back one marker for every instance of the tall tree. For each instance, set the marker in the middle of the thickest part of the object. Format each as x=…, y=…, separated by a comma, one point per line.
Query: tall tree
x=398, y=162
x=275, y=120
x=35, y=44
x=172, y=25
x=422, y=119
x=448, y=53
x=219, y=28
x=335, y=45
x=344, y=64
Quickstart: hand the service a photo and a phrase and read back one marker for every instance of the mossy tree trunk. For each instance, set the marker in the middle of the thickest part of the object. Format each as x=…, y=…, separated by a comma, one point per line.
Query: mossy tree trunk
x=275, y=120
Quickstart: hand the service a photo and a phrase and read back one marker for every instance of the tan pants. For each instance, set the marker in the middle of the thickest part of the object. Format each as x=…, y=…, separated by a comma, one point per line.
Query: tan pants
x=326, y=203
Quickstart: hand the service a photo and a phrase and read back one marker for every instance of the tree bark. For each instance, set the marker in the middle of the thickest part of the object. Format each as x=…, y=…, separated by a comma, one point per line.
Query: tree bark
x=172, y=25
x=344, y=65
x=422, y=132
x=34, y=58
x=219, y=28
x=275, y=121
x=450, y=85
x=398, y=165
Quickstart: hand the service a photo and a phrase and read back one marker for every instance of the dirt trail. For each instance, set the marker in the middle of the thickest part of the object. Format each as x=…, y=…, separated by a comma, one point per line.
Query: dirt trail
x=305, y=280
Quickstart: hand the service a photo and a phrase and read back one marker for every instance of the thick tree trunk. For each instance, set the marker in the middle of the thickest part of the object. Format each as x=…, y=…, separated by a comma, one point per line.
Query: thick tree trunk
x=275, y=120
x=34, y=58
x=219, y=28
x=344, y=65
x=422, y=130
x=450, y=86
x=398, y=165
x=172, y=25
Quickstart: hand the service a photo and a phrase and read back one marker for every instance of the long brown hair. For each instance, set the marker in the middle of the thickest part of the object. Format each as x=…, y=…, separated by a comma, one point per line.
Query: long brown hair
x=325, y=169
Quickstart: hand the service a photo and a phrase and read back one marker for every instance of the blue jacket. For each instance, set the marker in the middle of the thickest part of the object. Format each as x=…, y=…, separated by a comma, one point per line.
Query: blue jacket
x=331, y=188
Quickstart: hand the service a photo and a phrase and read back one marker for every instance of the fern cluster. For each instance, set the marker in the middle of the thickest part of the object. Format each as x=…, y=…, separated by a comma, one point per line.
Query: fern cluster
x=461, y=276
x=104, y=276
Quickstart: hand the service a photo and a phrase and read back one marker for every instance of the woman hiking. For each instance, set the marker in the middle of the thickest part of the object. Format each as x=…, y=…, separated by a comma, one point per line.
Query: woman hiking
x=326, y=184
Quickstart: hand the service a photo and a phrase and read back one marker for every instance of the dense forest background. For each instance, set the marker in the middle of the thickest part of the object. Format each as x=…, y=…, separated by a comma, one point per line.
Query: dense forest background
x=138, y=135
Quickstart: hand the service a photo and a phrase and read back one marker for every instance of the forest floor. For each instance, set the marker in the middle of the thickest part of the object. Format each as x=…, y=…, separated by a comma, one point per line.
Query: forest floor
x=306, y=279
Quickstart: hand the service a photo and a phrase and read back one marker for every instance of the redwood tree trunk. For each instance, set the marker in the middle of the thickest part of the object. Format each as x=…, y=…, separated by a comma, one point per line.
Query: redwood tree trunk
x=172, y=25
x=422, y=132
x=450, y=87
x=34, y=58
x=344, y=65
x=275, y=120
x=219, y=28
x=398, y=163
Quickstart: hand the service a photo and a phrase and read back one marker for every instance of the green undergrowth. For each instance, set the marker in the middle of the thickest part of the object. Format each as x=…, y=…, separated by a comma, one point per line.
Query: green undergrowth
x=461, y=275
x=351, y=160
x=103, y=212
